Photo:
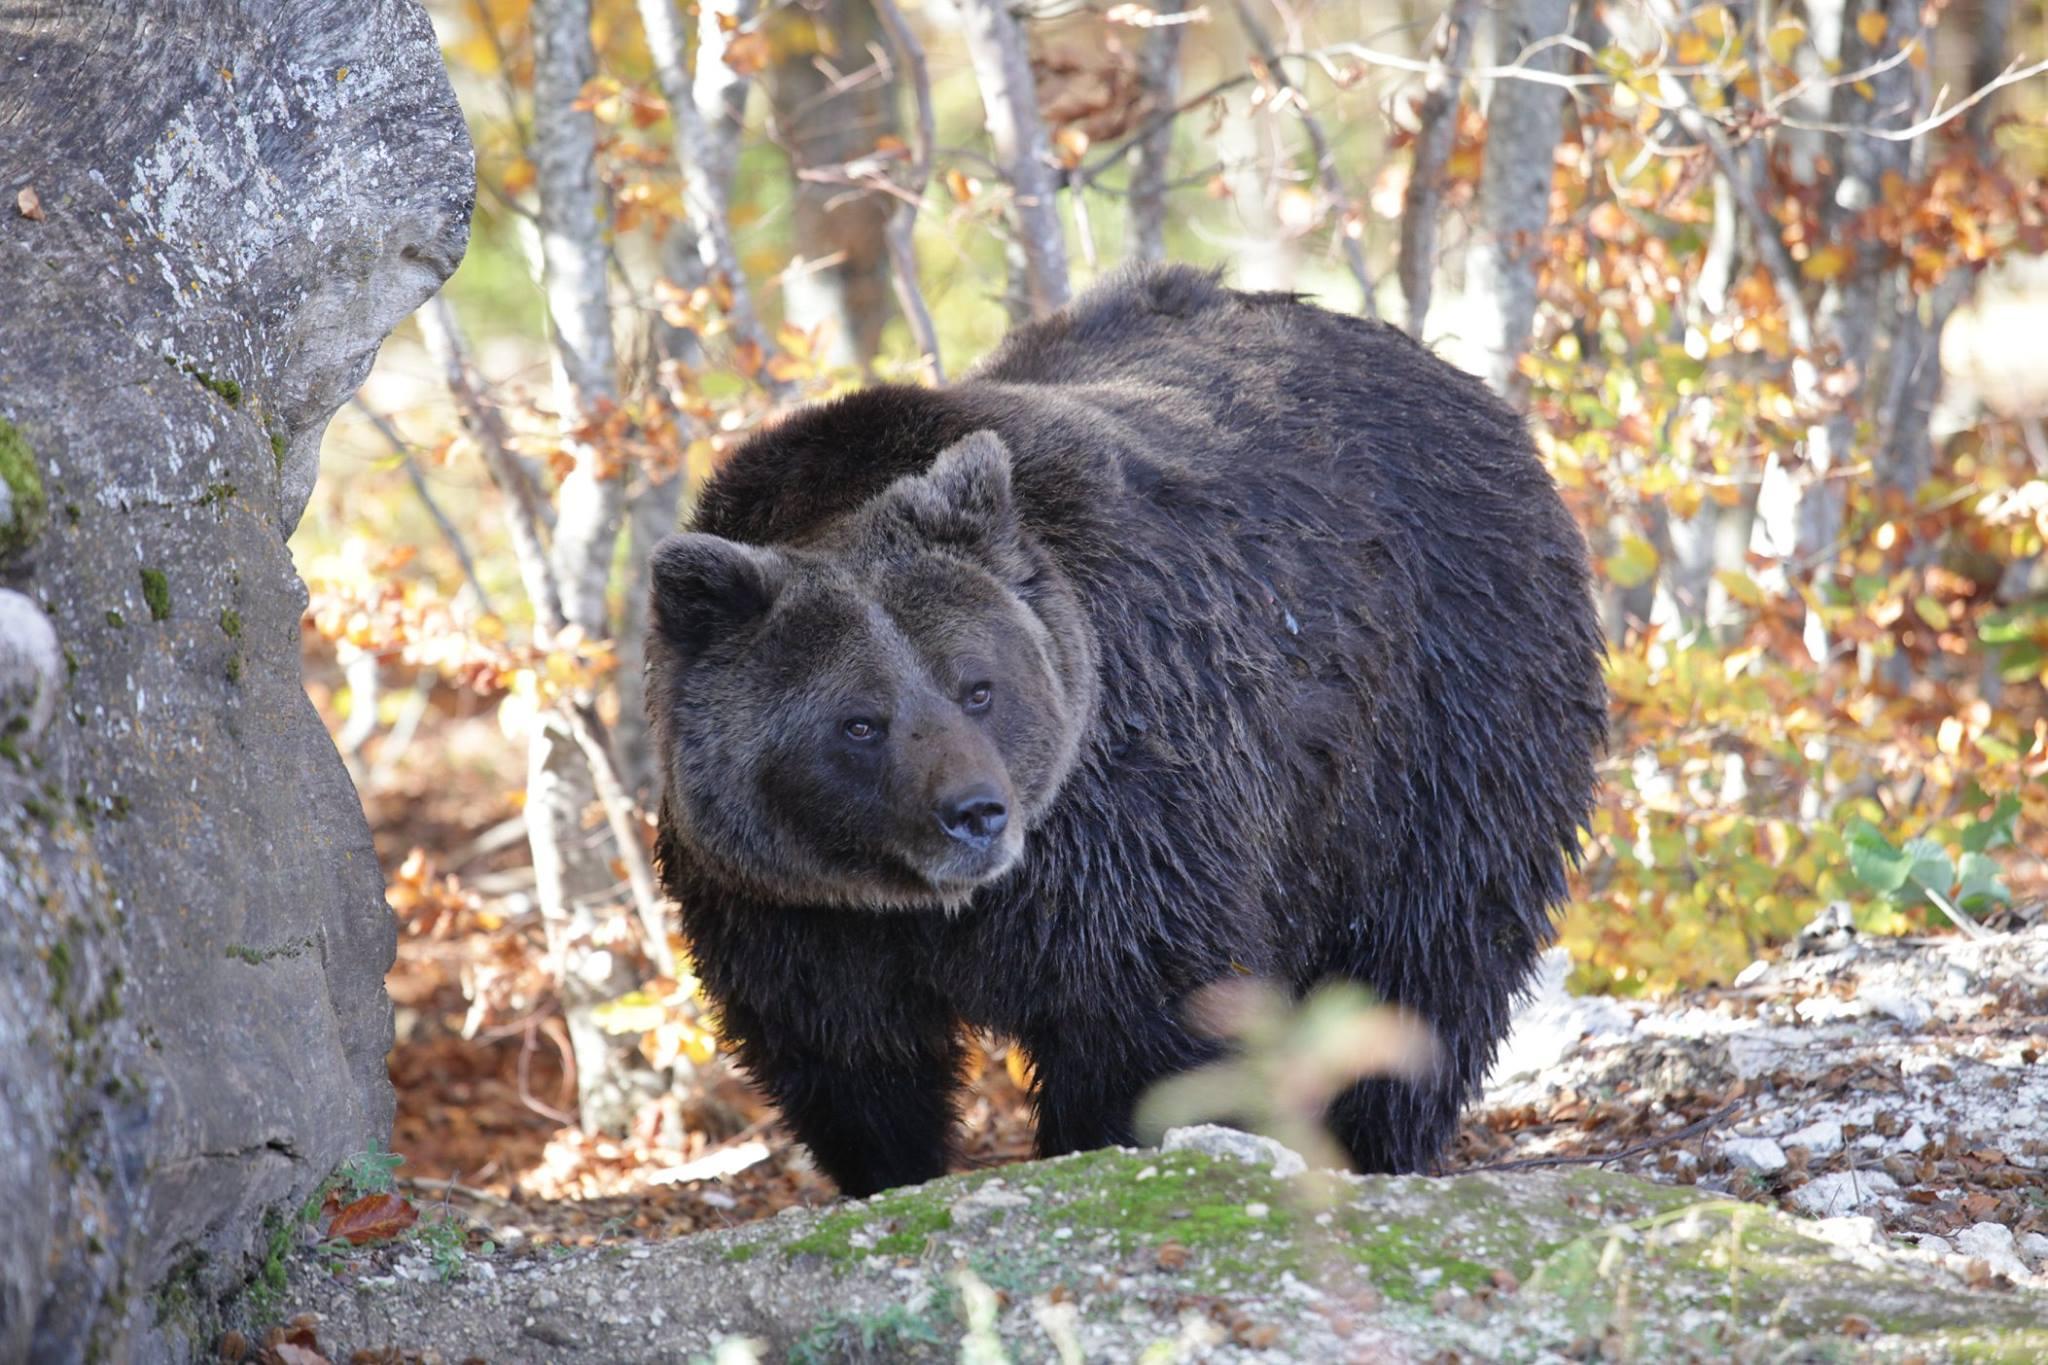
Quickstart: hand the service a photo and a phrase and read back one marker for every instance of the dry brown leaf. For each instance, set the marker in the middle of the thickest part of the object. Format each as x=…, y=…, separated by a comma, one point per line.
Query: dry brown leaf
x=374, y=1218
x=29, y=203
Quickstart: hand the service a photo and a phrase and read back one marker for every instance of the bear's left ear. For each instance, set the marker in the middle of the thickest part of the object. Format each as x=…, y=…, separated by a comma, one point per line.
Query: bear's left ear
x=964, y=503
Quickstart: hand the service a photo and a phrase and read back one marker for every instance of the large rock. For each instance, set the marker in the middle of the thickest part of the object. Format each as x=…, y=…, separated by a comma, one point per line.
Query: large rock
x=1200, y=1253
x=211, y=214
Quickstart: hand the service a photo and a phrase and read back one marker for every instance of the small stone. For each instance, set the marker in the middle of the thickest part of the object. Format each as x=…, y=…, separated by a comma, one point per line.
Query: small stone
x=1817, y=1138
x=1216, y=1140
x=550, y=1332
x=1909, y=1010
x=1841, y=1192
x=1256, y=1210
x=1992, y=1243
x=2033, y=1246
x=1751, y=974
x=1939, y=1246
x=1854, y=1231
x=985, y=1202
x=1758, y=1155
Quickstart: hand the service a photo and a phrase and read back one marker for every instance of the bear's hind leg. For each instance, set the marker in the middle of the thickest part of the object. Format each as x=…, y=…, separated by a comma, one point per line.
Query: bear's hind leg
x=1392, y=1127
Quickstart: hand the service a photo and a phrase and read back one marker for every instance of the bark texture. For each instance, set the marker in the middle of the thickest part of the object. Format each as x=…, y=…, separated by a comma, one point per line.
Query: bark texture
x=1009, y=101
x=832, y=101
x=1524, y=120
x=239, y=200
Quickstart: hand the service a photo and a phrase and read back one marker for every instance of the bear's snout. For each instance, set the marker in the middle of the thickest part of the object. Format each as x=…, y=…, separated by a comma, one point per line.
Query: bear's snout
x=975, y=816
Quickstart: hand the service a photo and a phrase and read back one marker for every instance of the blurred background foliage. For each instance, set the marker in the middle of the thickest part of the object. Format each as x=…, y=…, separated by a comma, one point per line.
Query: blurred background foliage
x=1768, y=279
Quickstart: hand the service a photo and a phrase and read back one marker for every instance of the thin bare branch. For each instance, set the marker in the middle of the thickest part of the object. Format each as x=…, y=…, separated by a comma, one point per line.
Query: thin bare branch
x=1326, y=163
x=1422, y=203
x=909, y=54
x=403, y=448
x=2013, y=74
x=623, y=819
x=481, y=419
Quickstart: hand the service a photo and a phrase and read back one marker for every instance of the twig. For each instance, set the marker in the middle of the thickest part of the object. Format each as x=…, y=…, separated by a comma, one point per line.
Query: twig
x=1770, y=247
x=403, y=449
x=1326, y=165
x=2013, y=74
x=909, y=53
x=1434, y=139
x=1694, y=1129
x=622, y=816
x=435, y=1185
x=444, y=340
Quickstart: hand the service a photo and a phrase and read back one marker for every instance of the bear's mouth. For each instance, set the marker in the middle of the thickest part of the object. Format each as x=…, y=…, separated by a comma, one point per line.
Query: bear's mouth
x=953, y=876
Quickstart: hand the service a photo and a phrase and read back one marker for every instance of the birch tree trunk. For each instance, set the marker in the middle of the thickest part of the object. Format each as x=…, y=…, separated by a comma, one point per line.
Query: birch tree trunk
x=1159, y=82
x=1524, y=120
x=576, y=886
x=1009, y=102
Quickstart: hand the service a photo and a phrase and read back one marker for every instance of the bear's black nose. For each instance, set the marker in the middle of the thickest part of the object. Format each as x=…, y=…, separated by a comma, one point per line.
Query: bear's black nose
x=974, y=817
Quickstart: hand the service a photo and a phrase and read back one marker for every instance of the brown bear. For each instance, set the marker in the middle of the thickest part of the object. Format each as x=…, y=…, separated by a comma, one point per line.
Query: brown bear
x=1195, y=633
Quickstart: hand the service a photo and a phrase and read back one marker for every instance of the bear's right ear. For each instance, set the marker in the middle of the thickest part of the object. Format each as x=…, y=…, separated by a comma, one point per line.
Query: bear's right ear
x=706, y=587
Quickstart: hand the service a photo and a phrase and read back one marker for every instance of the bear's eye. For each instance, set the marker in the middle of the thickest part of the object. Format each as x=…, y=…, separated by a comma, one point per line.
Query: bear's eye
x=977, y=697
x=861, y=731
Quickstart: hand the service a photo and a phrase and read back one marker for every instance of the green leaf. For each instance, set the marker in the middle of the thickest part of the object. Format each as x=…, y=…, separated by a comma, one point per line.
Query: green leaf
x=1932, y=868
x=1872, y=858
x=1994, y=831
x=1981, y=884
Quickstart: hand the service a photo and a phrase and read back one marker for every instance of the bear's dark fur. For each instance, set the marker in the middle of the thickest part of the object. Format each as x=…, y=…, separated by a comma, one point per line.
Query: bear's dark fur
x=1195, y=633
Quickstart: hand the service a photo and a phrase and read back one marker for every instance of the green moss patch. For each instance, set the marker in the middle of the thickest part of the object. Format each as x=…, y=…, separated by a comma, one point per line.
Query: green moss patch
x=156, y=591
x=227, y=390
x=28, y=506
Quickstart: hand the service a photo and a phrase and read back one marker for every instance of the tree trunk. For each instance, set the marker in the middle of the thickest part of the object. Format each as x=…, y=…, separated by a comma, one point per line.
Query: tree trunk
x=576, y=887
x=1422, y=204
x=237, y=201
x=825, y=118
x=1524, y=120
x=708, y=108
x=1159, y=80
x=1009, y=102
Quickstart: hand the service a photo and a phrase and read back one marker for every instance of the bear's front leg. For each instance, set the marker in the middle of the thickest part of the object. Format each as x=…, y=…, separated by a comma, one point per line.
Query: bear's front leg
x=875, y=1106
x=1087, y=1081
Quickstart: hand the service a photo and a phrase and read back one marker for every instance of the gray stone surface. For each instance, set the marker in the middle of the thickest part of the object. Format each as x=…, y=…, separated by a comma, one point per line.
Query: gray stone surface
x=238, y=199
x=1195, y=1255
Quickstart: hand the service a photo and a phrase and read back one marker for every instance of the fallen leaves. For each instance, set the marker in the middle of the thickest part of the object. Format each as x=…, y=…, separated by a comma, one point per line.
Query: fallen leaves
x=29, y=204
x=373, y=1218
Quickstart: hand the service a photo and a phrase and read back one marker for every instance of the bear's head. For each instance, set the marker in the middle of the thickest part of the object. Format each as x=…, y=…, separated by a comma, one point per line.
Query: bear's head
x=877, y=714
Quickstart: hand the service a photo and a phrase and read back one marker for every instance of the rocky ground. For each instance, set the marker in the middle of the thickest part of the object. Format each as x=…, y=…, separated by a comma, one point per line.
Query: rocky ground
x=1840, y=1157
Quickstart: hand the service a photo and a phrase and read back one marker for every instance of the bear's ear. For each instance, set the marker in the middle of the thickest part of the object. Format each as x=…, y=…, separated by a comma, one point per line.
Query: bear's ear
x=705, y=587
x=963, y=502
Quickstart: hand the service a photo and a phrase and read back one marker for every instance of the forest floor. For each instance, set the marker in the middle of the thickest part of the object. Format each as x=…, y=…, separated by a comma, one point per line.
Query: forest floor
x=1897, y=1080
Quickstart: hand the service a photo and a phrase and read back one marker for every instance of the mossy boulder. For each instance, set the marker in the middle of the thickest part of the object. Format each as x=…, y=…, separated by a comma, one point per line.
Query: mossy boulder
x=1187, y=1254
